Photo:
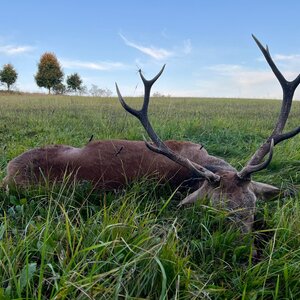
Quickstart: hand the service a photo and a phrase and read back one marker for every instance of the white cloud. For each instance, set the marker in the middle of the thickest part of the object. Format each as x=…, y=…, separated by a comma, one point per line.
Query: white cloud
x=14, y=50
x=245, y=75
x=289, y=62
x=224, y=69
x=156, y=53
x=100, y=66
x=283, y=57
x=227, y=80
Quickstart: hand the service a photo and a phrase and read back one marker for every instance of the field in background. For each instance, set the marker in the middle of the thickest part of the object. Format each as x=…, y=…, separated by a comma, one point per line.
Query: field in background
x=69, y=242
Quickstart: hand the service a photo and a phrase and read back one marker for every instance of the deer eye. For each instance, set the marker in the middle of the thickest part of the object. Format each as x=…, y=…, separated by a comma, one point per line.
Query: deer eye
x=216, y=184
x=243, y=181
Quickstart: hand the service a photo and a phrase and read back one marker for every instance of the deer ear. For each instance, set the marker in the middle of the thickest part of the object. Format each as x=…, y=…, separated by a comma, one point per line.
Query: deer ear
x=264, y=191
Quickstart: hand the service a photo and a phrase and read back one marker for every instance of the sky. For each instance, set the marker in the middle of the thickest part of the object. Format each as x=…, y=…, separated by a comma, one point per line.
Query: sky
x=206, y=45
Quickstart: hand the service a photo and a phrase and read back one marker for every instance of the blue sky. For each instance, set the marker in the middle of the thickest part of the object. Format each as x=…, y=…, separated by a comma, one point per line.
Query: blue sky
x=206, y=45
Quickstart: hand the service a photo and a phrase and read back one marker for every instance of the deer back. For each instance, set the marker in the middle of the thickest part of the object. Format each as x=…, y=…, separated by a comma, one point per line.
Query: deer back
x=108, y=164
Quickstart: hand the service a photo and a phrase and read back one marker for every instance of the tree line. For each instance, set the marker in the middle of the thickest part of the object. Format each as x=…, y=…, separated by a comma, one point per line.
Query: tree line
x=51, y=76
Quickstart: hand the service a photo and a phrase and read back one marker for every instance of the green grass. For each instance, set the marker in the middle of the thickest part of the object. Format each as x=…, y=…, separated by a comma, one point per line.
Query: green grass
x=69, y=242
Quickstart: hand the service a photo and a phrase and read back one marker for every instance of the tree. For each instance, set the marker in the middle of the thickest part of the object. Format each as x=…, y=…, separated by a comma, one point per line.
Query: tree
x=8, y=75
x=160, y=95
x=95, y=91
x=74, y=82
x=59, y=89
x=49, y=72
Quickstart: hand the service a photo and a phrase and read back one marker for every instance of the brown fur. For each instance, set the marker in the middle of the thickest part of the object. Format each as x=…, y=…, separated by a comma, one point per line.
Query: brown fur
x=107, y=164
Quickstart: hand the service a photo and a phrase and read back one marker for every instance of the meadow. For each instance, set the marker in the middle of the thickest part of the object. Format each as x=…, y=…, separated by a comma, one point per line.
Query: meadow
x=70, y=242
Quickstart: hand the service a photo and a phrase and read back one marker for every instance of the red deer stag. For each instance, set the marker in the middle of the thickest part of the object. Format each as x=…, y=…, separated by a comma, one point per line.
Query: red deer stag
x=112, y=164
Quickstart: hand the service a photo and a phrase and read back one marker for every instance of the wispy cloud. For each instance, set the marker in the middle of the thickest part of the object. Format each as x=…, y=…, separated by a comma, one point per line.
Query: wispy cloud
x=224, y=69
x=285, y=61
x=245, y=75
x=232, y=80
x=283, y=57
x=242, y=75
x=156, y=53
x=15, y=50
x=100, y=66
x=289, y=64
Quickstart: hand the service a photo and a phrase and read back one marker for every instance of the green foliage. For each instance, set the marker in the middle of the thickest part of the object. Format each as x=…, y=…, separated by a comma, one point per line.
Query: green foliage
x=8, y=75
x=70, y=242
x=74, y=82
x=49, y=72
x=59, y=89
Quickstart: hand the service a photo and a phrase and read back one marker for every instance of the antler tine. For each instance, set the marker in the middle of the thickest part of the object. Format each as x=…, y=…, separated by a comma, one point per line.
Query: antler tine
x=286, y=135
x=125, y=105
x=267, y=55
x=288, y=89
x=148, y=84
x=161, y=148
x=249, y=169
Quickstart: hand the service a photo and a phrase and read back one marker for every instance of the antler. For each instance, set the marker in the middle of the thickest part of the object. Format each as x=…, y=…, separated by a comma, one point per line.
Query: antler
x=160, y=147
x=288, y=88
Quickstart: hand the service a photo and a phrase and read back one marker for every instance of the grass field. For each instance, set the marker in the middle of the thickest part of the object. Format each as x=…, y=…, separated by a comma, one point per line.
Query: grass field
x=69, y=242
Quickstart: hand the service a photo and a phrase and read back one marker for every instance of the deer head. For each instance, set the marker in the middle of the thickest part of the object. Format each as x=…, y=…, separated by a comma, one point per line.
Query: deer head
x=232, y=189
